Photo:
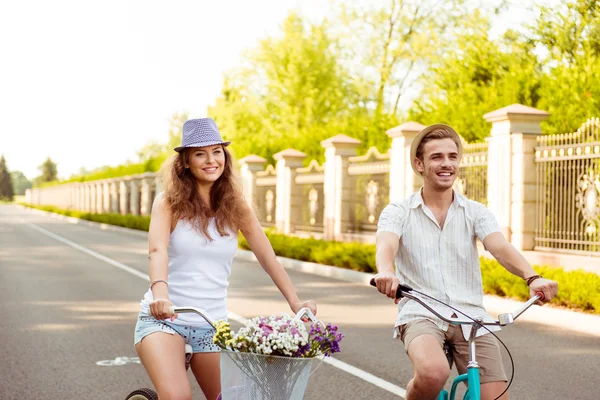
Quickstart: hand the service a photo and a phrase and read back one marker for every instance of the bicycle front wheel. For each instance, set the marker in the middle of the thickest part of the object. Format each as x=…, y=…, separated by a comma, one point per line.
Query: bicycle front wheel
x=142, y=394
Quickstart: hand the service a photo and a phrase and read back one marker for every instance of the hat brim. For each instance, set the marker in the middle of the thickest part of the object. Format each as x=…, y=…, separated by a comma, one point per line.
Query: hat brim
x=417, y=140
x=204, y=144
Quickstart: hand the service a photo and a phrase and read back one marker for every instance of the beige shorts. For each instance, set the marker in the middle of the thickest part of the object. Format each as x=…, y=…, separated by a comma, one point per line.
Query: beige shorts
x=487, y=355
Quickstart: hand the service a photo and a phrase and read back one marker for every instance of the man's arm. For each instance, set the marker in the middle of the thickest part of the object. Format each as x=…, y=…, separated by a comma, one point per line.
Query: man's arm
x=387, y=246
x=514, y=262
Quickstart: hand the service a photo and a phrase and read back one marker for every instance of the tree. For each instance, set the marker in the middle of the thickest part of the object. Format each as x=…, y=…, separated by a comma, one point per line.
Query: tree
x=479, y=76
x=570, y=32
x=48, y=172
x=20, y=182
x=293, y=93
x=6, y=186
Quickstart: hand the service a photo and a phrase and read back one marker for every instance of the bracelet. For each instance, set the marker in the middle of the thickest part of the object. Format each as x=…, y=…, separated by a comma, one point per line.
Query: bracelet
x=532, y=278
x=158, y=280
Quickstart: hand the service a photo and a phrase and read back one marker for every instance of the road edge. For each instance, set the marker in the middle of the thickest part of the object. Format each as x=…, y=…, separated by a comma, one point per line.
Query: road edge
x=550, y=316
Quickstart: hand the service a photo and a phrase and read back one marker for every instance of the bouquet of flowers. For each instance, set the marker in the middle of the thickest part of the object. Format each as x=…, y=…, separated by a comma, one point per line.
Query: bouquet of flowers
x=271, y=357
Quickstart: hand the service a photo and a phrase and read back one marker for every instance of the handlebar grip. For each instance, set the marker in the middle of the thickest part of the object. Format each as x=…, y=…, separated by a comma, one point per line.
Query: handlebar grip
x=542, y=295
x=172, y=310
x=401, y=288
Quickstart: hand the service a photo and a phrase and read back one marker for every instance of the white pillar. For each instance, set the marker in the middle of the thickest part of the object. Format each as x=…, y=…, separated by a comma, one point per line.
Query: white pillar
x=338, y=185
x=512, y=171
x=249, y=166
x=288, y=207
x=403, y=180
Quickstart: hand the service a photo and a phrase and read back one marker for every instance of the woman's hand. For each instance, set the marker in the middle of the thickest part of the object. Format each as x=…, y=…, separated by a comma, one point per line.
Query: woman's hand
x=161, y=309
x=310, y=304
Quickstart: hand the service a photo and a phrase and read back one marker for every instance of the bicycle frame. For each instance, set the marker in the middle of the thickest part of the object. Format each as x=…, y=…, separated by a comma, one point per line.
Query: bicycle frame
x=472, y=376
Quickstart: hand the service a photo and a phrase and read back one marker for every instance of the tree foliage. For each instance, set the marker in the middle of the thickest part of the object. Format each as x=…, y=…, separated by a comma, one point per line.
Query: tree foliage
x=479, y=76
x=570, y=33
x=6, y=186
x=293, y=92
x=20, y=182
x=48, y=172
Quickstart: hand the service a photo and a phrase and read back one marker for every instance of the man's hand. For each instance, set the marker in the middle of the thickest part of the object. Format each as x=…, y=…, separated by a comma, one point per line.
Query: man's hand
x=546, y=286
x=387, y=283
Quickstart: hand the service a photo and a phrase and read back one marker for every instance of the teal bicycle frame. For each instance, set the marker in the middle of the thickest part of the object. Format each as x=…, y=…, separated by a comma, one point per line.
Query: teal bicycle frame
x=472, y=376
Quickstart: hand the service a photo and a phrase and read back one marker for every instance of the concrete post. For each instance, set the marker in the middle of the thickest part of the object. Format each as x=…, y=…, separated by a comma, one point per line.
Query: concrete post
x=512, y=171
x=288, y=208
x=403, y=180
x=338, y=185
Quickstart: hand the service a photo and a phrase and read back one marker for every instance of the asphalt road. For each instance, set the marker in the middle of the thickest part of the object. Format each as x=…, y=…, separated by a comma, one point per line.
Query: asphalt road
x=63, y=310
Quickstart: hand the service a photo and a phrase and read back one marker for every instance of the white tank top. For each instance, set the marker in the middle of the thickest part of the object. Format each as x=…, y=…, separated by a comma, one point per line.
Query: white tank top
x=198, y=272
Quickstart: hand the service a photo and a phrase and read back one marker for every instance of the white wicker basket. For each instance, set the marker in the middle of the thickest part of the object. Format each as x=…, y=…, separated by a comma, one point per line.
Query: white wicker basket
x=249, y=376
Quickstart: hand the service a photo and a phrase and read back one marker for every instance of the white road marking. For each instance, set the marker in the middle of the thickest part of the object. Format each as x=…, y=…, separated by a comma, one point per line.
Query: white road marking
x=359, y=373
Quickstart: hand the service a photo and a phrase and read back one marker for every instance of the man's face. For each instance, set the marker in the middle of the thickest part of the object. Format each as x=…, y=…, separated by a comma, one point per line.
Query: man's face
x=440, y=163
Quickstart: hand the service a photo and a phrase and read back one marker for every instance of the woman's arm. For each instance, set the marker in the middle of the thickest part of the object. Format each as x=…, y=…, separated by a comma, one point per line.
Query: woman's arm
x=158, y=242
x=260, y=245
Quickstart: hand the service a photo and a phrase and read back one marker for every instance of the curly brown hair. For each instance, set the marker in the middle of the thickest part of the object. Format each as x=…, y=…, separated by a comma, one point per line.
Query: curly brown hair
x=227, y=205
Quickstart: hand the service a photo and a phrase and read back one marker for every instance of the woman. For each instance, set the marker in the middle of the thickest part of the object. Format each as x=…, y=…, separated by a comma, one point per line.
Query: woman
x=192, y=242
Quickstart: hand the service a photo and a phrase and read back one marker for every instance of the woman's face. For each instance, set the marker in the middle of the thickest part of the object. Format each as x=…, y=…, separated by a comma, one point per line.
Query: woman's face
x=206, y=163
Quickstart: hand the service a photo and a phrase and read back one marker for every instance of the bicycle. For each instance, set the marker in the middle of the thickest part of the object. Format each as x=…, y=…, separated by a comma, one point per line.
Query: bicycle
x=249, y=376
x=472, y=375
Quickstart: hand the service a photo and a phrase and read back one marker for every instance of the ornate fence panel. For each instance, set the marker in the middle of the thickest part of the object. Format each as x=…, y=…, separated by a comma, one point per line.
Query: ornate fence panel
x=472, y=175
x=311, y=180
x=568, y=191
x=371, y=174
x=266, y=182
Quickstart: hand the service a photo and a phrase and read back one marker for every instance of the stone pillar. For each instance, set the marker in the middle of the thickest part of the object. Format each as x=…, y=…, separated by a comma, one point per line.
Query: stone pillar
x=338, y=185
x=249, y=166
x=158, y=184
x=288, y=208
x=92, y=197
x=114, y=196
x=403, y=180
x=80, y=197
x=147, y=183
x=512, y=171
x=99, y=197
x=124, y=195
x=134, y=195
x=106, y=196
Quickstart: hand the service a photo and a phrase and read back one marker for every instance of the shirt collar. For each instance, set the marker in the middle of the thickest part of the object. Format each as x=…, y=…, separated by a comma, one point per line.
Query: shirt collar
x=417, y=199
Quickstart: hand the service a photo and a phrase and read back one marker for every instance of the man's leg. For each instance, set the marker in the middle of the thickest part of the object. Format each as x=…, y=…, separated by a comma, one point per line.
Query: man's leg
x=423, y=341
x=491, y=390
x=491, y=370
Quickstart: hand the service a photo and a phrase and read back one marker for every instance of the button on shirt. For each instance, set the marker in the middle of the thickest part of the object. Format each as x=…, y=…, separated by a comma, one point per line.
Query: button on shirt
x=441, y=262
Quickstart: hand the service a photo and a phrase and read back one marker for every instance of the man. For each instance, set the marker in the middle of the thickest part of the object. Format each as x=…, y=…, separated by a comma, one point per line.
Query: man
x=431, y=238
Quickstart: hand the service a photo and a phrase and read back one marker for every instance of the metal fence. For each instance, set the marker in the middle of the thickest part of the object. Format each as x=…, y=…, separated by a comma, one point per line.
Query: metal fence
x=472, y=174
x=568, y=191
x=266, y=196
x=371, y=175
x=311, y=179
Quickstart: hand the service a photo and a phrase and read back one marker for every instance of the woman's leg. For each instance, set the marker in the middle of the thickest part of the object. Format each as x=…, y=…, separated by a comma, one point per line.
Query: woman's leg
x=207, y=370
x=163, y=356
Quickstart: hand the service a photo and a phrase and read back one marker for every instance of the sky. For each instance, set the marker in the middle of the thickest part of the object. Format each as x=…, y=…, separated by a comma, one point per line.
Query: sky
x=88, y=83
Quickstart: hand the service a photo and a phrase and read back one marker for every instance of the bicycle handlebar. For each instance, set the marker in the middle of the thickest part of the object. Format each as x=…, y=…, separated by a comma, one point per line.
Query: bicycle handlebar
x=304, y=314
x=503, y=319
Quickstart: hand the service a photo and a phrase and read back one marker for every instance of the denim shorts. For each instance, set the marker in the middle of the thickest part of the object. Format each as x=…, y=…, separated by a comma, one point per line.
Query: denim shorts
x=199, y=337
